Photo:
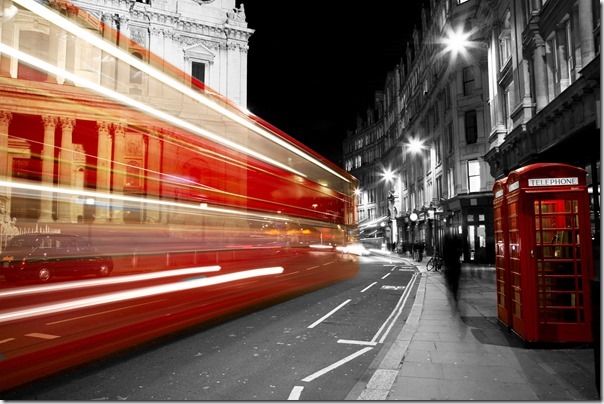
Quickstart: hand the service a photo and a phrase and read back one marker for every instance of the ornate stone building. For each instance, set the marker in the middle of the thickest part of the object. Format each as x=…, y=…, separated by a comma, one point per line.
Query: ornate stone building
x=57, y=133
x=544, y=87
x=207, y=39
x=438, y=99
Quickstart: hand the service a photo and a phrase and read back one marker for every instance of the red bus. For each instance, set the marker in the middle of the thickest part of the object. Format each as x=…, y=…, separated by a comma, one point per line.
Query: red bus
x=135, y=201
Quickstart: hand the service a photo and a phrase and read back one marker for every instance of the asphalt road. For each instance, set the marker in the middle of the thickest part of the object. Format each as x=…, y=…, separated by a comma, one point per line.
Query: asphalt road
x=317, y=346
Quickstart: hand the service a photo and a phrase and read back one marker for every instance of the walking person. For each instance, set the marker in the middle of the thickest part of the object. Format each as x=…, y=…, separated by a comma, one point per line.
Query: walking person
x=451, y=253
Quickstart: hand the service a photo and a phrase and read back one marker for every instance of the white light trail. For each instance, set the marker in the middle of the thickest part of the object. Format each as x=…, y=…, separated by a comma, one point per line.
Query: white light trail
x=107, y=281
x=116, y=297
x=164, y=116
x=95, y=40
x=136, y=199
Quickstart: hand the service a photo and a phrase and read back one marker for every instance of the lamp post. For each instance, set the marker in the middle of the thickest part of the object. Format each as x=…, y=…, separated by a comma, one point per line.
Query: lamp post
x=388, y=175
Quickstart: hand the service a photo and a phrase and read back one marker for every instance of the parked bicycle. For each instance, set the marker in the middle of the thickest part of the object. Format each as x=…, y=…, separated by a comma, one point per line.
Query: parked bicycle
x=435, y=263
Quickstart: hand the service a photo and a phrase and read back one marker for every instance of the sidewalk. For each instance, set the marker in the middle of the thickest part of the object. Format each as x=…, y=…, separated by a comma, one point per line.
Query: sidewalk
x=446, y=352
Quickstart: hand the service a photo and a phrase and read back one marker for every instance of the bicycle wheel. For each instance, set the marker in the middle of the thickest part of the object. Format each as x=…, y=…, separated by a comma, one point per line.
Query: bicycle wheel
x=430, y=265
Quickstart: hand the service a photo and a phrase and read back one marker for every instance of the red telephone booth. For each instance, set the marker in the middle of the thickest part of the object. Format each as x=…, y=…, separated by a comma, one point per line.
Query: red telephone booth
x=549, y=248
x=502, y=266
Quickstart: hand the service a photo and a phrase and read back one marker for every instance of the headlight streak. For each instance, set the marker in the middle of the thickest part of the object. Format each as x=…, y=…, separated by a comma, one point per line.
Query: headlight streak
x=81, y=33
x=107, y=281
x=33, y=61
x=108, y=298
x=126, y=198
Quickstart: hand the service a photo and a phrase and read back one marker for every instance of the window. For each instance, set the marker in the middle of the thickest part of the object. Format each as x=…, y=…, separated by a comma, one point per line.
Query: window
x=198, y=70
x=36, y=44
x=508, y=105
x=437, y=146
x=471, y=127
x=439, y=187
x=468, y=80
x=473, y=176
x=136, y=76
x=450, y=138
x=505, y=40
x=450, y=183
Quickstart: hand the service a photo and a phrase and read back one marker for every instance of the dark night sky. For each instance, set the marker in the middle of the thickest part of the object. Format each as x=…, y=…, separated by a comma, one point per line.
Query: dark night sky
x=312, y=68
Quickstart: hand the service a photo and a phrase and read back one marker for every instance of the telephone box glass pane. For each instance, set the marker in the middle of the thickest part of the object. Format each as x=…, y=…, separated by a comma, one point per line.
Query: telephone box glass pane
x=557, y=254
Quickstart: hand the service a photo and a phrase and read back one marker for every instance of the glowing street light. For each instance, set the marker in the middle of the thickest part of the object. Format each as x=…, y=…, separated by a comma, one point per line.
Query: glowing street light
x=457, y=41
x=388, y=175
x=415, y=145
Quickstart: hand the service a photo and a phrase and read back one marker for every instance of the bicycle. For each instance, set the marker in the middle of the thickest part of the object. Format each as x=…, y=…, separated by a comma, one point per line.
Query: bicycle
x=435, y=263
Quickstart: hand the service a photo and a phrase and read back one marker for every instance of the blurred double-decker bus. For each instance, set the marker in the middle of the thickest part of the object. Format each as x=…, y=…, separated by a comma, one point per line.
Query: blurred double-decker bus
x=135, y=201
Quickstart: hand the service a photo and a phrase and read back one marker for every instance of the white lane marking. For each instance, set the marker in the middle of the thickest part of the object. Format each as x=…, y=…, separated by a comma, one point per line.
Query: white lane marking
x=392, y=314
x=336, y=365
x=392, y=287
x=400, y=310
x=368, y=287
x=355, y=342
x=6, y=340
x=295, y=393
x=103, y=312
x=108, y=281
x=313, y=325
x=387, y=275
x=42, y=336
x=328, y=263
x=131, y=294
x=309, y=268
x=388, y=265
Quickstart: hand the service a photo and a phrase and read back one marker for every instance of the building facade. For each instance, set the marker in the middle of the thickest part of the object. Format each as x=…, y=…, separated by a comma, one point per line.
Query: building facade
x=544, y=88
x=207, y=39
x=436, y=129
x=526, y=89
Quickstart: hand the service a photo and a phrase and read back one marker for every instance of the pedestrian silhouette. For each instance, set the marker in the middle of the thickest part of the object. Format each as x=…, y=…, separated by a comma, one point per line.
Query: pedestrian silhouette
x=451, y=252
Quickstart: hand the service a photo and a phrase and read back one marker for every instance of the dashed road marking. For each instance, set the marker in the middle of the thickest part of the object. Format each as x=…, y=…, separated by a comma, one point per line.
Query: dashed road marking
x=336, y=365
x=295, y=393
x=42, y=336
x=309, y=268
x=392, y=287
x=385, y=276
x=368, y=287
x=313, y=325
x=355, y=342
x=6, y=340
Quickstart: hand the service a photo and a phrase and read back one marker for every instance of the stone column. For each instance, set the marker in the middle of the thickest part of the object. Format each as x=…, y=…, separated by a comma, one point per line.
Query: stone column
x=48, y=165
x=154, y=155
x=539, y=72
x=5, y=118
x=586, y=31
x=103, y=170
x=66, y=170
x=118, y=173
x=5, y=172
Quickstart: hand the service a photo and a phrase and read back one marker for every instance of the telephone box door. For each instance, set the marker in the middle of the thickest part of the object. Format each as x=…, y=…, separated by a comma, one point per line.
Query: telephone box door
x=562, y=255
